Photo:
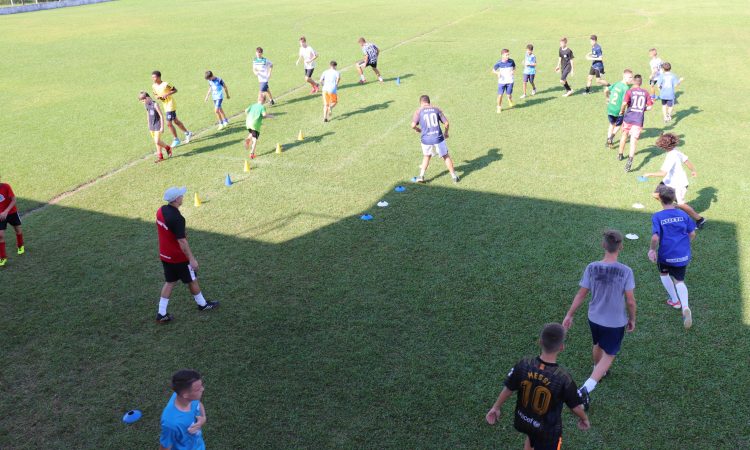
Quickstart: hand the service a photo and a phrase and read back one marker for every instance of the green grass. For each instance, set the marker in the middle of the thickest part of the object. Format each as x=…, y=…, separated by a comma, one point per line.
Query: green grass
x=335, y=332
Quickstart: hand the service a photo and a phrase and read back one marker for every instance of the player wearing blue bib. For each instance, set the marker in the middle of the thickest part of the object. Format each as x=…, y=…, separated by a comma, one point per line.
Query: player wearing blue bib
x=672, y=232
x=504, y=69
x=426, y=121
x=184, y=416
x=597, y=65
x=529, y=70
x=217, y=89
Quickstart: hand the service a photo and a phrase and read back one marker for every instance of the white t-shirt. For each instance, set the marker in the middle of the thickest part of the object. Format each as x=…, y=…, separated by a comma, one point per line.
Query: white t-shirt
x=655, y=64
x=307, y=53
x=676, y=176
x=263, y=67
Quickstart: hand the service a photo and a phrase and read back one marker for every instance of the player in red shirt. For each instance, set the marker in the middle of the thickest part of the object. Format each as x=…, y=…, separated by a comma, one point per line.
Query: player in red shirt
x=176, y=257
x=9, y=215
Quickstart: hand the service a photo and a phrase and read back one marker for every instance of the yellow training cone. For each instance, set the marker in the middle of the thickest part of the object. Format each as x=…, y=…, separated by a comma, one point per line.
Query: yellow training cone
x=247, y=167
x=300, y=136
x=278, y=148
x=196, y=200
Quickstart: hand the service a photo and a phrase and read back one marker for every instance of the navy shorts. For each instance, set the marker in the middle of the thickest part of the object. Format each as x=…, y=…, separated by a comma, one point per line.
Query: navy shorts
x=217, y=103
x=178, y=272
x=506, y=88
x=565, y=72
x=676, y=272
x=596, y=71
x=171, y=115
x=528, y=77
x=309, y=72
x=615, y=120
x=13, y=219
x=373, y=64
x=667, y=102
x=264, y=86
x=607, y=338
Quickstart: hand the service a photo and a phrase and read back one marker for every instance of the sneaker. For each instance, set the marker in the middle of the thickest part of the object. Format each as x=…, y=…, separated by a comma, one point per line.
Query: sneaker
x=669, y=118
x=510, y=103
x=687, y=318
x=456, y=179
x=175, y=142
x=313, y=90
x=159, y=159
x=380, y=79
x=675, y=305
x=361, y=81
x=166, y=318
x=610, y=142
x=584, y=394
x=666, y=120
x=188, y=136
x=220, y=127
x=568, y=94
x=586, y=92
x=522, y=96
x=628, y=164
x=252, y=155
x=273, y=102
x=533, y=92
x=3, y=261
x=420, y=180
x=208, y=306
x=620, y=157
x=21, y=250
x=169, y=152
x=499, y=109
x=700, y=223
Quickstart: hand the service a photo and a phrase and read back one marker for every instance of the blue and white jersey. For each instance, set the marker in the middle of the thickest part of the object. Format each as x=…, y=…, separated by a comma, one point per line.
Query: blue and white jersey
x=596, y=52
x=371, y=50
x=527, y=69
x=429, y=119
x=667, y=82
x=217, y=88
x=673, y=226
x=504, y=70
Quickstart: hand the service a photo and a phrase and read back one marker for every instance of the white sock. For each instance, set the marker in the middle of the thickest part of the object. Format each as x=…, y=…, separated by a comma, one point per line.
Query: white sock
x=666, y=280
x=362, y=77
x=199, y=299
x=454, y=175
x=421, y=172
x=163, y=302
x=682, y=291
x=590, y=385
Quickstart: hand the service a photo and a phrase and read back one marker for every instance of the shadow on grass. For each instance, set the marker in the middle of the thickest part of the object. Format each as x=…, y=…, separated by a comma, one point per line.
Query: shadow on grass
x=294, y=144
x=679, y=115
x=423, y=308
x=370, y=81
x=706, y=197
x=470, y=166
x=364, y=110
x=210, y=148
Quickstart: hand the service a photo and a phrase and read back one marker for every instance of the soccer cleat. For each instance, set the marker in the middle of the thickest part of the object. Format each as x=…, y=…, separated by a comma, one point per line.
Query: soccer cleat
x=620, y=157
x=21, y=250
x=175, y=142
x=628, y=164
x=675, y=305
x=523, y=96
x=456, y=179
x=700, y=223
x=188, y=136
x=159, y=159
x=687, y=318
x=610, y=142
x=169, y=152
x=208, y=306
x=380, y=79
x=568, y=94
x=533, y=92
x=273, y=102
x=166, y=318
x=252, y=155
x=510, y=103
x=3, y=261
x=584, y=394
x=361, y=81
x=420, y=179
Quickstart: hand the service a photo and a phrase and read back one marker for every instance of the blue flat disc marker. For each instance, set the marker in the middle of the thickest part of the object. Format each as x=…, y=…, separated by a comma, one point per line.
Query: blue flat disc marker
x=413, y=179
x=400, y=189
x=132, y=416
x=366, y=217
x=642, y=178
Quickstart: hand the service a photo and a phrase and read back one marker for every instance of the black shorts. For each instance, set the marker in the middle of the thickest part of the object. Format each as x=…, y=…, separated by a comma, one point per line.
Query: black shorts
x=373, y=64
x=253, y=133
x=676, y=272
x=13, y=219
x=171, y=115
x=545, y=442
x=596, y=72
x=179, y=272
x=565, y=72
x=615, y=120
x=308, y=72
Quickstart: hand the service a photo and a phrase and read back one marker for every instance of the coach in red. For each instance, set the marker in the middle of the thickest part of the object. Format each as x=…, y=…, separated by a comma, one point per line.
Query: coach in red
x=176, y=257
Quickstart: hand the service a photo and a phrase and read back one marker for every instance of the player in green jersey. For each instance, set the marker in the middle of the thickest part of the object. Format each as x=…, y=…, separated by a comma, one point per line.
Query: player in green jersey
x=615, y=93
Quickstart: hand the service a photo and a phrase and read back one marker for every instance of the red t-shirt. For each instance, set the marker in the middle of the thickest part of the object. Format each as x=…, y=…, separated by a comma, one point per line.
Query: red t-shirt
x=170, y=226
x=6, y=196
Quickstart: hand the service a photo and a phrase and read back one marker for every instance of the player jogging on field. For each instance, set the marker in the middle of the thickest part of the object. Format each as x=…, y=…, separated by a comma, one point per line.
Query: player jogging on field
x=183, y=418
x=330, y=81
x=565, y=66
x=504, y=69
x=529, y=70
x=217, y=89
x=308, y=57
x=372, y=52
x=175, y=254
x=262, y=68
x=655, y=65
x=637, y=102
x=9, y=215
x=597, y=65
x=165, y=92
x=615, y=93
x=155, y=120
x=426, y=121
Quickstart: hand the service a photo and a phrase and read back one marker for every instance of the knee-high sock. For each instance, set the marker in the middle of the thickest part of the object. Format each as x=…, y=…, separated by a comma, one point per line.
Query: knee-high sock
x=682, y=292
x=666, y=280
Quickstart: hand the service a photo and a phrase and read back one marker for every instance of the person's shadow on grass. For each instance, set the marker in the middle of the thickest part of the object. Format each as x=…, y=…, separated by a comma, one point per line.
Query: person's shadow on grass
x=385, y=80
x=366, y=109
x=210, y=148
x=706, y=196
x=472, y=165
x=307, y=140
x=680, y=115
x=650, y=152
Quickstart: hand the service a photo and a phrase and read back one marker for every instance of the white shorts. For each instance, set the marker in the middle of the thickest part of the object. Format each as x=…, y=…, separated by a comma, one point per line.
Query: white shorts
x=679, y=194
x=440, y=149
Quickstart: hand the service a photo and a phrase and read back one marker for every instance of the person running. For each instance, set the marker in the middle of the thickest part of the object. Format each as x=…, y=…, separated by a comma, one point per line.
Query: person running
x=504, y=70
x=674, y=175
x=615, y=94
x=183, y=418
x=565, y=66
x=155, y=120
x=255, y=115
x=637, y=102
x=217, y=88
x=543, y=388
x=308, y=57
x=667, y=82
x=330, y=81
x=371, y=52
x=262, y=68
x=175, y=254
x=529, y=70
x=9, y=215
x=426, y=121
x=597, y=65
x=611, y=284
x=672, y=232
x=165, y=93
x=655, y=64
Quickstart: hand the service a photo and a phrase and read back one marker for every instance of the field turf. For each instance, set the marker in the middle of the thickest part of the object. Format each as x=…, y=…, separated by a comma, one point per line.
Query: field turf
x=334, y=332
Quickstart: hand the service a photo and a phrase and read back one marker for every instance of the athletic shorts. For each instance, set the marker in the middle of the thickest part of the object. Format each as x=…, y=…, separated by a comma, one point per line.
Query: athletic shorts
x=330, y=98
x=13, y=219
x=632, y=130
x=217, y=103
x=676, y=272
x=528, y=77
x=178, y=272
x=155, y=134
x=615, y=120
x=264, y=86
x=373, y=64
x=253, y=133
x=565, y=72
x=171, y=115
x=546, y=443
x=596, y=72
x=669, y=103
x=309, y=72
x=607, y=338
x=441, y=149
x=679, y=192
x=505, y=88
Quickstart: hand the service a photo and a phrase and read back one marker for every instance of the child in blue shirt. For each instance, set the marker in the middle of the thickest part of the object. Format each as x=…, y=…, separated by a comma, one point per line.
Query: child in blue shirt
x=667, y=82
x=217, y=88
x=184, y=415
x=529, y=70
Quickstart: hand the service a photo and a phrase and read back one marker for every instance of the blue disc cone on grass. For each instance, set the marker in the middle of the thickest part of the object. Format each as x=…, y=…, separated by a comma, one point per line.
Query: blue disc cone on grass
x=132, y=416
x=366, y=217
x=228, y=181
x=400, y=189
x=642, y=179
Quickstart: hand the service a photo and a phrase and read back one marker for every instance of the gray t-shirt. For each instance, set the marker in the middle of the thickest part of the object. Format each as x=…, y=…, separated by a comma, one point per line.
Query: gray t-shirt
x=608, y=283
x=154, y=121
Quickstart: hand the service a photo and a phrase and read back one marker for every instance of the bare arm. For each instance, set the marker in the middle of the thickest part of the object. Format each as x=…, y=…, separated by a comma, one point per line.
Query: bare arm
x=161, y=118
x=186, y=250
x=415, y=127
x=161, y=447
x=226, y=89
x=199, y=421
x=583, y=419
x=692, y=235
x=630, y=303
x=692, y=168
x=660, y=173
x=652, y=247
x=559, y=61
x=207, y=94
x=447, y=125
x=494, y=412
x=577, y=302
x=4, y=214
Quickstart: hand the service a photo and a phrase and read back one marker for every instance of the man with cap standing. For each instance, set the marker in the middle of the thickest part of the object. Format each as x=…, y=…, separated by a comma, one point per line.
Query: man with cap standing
x=176, y=257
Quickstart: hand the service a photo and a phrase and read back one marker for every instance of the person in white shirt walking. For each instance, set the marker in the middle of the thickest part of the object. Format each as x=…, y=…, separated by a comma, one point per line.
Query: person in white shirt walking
x=308, y=57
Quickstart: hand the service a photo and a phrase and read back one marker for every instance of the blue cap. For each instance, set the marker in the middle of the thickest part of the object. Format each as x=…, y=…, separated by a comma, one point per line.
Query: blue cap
x=174, y=193
x=132, y=416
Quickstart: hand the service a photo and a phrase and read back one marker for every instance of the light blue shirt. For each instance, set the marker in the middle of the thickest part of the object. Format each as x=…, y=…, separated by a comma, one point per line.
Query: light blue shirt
x=527, y=69
x=330, y=78
x=175, y=424
x=217, y=88
x=667, y=83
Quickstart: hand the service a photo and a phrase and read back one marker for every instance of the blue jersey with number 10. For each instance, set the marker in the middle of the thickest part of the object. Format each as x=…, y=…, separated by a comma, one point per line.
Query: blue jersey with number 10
x=429, y=119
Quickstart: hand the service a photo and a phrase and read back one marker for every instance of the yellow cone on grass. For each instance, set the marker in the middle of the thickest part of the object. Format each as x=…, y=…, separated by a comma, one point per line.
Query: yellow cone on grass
x=196, y=200
x=300, y=136
x=247, y=167
x=278, y=148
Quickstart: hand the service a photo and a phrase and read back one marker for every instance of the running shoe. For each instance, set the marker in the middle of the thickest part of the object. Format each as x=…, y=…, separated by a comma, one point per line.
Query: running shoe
x=21, y=250
x=166, y=318
x=675, y=305
x=687, y=318
x=208, y=306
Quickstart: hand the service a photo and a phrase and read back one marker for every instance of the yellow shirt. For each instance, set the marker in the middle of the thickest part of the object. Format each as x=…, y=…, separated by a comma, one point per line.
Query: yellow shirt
x=161, y=90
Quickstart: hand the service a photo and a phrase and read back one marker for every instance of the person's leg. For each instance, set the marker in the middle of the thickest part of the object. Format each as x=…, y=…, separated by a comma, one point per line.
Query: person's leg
x=588, y=82
x=425, y=164
x=377, y=72
x=500, y=100
x=527, y=444
x=524, y=86
x=623, y=141
x=195, y=289
x=270, y=96
x=19, y=238
x=170, y=126
x=449, y=165
x=3, y=255
x=156, y=136
x=166, y=293
x=670, y=107
x=690, y=211
x=359, y=66
x=633, y=143
x=509, y=91
x=533, y=86
x=596, y=353
x=179, y=124
x=325, y=107
x=601, y=367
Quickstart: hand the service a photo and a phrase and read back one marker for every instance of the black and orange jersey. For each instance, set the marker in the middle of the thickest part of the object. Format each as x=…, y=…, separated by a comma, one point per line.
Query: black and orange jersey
x=542, y=388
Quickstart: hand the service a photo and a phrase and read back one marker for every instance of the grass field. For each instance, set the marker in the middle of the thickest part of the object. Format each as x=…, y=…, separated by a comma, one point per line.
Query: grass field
x=334, y=332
